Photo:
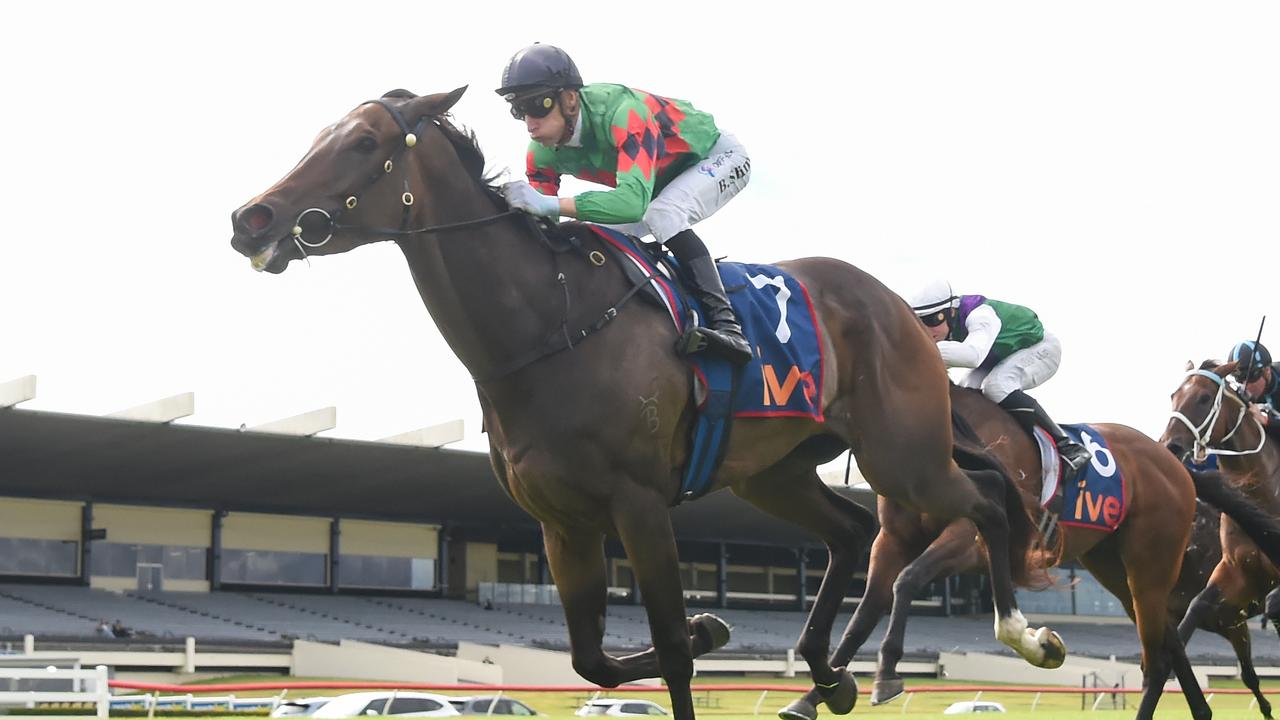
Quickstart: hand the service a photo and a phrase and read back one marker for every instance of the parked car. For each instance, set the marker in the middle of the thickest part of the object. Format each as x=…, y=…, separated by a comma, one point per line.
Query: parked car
x=481, y=705
x=616, y=707
x=302, y=707
x=973, y=706
x=385, y=702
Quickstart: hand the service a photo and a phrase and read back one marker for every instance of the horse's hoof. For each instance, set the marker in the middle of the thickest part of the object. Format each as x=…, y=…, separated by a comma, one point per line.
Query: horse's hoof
x=799, y=709
x=884, y=691
x=1054, y=650
x=841, y=695
x=710, y=630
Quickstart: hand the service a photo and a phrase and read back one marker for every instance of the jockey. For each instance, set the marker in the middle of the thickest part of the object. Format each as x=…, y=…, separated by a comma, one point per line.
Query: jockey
x=1007, y=349
x=1263, y=383
x=667, y=163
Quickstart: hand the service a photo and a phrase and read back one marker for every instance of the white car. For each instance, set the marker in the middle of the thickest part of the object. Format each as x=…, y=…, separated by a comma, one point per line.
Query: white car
x=491, y=705
x=618, y=707
x=973, y=706
x=384, y=702
x=302, y=707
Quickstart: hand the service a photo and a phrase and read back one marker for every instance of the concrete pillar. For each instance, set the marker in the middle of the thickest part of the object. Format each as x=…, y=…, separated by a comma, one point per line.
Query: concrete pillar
x=28, y=644
x=335, y=554
x=442, y=581
x=86, y=541
x=802, y=558
x=215, y=549
x=189, y=656
x=722, y=577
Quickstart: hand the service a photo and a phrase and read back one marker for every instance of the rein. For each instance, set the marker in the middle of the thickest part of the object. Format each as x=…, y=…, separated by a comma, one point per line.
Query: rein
x=559, y=340
x=1204, y=431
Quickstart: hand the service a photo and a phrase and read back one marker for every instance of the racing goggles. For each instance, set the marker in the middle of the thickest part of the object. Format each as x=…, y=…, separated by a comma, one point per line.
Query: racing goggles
x=935, y=319
x=536, y=105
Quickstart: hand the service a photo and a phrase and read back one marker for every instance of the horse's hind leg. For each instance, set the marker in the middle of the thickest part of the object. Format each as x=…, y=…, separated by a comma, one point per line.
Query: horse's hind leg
x=801, y=498
x=1238, y=636
x=953, y=551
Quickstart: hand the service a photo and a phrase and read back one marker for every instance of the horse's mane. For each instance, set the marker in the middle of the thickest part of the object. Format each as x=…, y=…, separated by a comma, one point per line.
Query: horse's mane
x=464, y=142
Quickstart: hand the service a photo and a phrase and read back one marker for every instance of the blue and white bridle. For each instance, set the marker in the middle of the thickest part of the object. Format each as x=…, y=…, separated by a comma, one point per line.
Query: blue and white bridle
x=1204, y=430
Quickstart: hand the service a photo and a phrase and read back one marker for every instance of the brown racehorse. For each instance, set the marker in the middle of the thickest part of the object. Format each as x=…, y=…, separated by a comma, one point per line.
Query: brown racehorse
x=590, y=437
x=1211, y=418
x=1141, y=563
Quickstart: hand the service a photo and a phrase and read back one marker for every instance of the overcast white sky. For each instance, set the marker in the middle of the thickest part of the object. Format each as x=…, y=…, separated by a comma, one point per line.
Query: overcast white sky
x=1113, y=165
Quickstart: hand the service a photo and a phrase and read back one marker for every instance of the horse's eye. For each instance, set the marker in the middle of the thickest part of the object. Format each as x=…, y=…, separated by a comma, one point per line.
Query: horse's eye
x=367, y=144
x=1202, y=400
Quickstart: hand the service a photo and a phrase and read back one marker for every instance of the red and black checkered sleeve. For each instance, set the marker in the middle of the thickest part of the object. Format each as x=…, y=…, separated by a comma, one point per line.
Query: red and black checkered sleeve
x=544, y=178
x=639, y=141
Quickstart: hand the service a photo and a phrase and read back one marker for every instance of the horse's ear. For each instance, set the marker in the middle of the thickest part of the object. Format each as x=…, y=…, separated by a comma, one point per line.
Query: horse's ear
x=1209, y=364
x=1191, y=365
x=433, y=105
x=1229, y=368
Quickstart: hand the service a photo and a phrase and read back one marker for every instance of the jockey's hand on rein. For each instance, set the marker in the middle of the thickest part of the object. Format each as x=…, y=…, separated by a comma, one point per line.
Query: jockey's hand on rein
x=520, y=195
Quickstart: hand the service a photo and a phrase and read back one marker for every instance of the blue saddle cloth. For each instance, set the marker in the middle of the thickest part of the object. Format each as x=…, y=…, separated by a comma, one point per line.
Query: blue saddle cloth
x=1095, y=498
x=784, y=377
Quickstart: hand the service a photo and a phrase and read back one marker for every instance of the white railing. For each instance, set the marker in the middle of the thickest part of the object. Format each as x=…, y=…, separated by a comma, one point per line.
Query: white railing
x=93, y=682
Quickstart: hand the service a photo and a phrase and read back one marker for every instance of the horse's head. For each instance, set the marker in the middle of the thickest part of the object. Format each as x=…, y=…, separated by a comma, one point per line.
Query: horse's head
x=359, y=170
x=1197, y=421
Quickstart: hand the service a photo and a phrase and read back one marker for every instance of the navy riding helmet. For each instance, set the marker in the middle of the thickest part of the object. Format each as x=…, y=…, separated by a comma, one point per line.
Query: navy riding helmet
x=1252, y=356
x=538, y=67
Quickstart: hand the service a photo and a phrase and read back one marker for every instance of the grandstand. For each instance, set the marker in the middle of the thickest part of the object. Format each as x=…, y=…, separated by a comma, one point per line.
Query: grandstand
x=254, y=539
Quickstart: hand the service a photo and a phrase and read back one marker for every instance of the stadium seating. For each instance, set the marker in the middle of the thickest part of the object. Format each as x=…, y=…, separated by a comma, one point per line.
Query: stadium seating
x=72, y=612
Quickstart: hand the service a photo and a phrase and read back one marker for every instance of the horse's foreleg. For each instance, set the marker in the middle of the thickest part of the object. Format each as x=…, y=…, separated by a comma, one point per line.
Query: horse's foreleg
x=955, y=550
x=644, y=527
x=1204, y=604
x=1271, y=609
x=844, y=526
x=1151, y=551
x=1042, y=647
x=889, y=554
x=1238, y=636
x=578, y=567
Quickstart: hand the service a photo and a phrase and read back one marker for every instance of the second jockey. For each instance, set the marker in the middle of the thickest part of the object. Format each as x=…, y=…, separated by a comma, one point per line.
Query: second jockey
x=1260, y=379
x=667, y=163
x=1007, y=350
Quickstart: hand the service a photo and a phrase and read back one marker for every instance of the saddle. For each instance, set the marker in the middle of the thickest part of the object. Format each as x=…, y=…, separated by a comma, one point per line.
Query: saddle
x=784, y=378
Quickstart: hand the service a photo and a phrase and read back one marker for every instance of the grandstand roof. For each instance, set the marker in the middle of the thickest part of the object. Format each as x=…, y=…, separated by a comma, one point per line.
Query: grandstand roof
x=85, y=457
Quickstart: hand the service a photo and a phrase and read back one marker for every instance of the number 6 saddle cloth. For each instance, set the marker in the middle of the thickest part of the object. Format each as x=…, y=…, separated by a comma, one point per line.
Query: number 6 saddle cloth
x=1094, y=497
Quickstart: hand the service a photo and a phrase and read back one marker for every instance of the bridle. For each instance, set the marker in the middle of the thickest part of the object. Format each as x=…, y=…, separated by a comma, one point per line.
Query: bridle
x=562, y=338
x=333, y=215
x=1204, y=431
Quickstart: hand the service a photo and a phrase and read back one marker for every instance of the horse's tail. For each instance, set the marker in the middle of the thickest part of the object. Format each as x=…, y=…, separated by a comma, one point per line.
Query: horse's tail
x=1262, y=528
x=970, y=453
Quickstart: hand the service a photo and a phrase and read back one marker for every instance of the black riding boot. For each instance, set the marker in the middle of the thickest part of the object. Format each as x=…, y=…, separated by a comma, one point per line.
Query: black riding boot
x=723, y=334
x=1030, y=415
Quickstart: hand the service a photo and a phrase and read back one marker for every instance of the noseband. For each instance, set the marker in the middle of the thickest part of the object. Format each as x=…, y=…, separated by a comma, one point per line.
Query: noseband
x=1204, y=431
x=333, y=215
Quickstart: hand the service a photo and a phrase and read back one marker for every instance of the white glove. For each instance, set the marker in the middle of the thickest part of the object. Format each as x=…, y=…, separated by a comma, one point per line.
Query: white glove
x=520, y=195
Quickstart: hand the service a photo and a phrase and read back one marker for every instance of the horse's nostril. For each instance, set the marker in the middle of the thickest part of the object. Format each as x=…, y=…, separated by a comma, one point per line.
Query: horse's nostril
x=257, y=217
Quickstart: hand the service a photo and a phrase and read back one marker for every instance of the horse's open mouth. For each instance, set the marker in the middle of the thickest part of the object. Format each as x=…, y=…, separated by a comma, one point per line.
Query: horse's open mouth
x=273, y=258
x=263, y=259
